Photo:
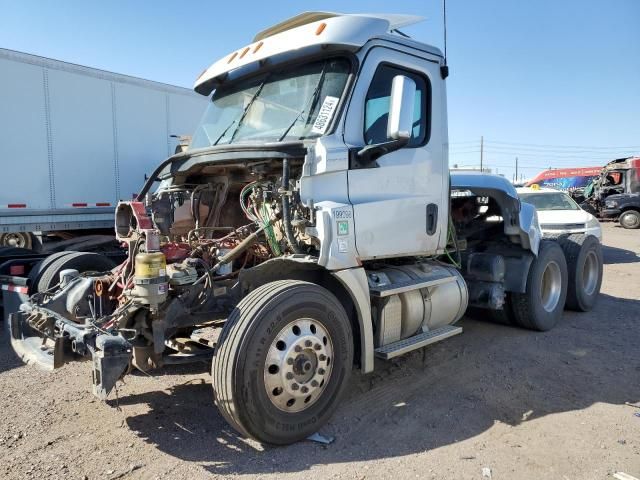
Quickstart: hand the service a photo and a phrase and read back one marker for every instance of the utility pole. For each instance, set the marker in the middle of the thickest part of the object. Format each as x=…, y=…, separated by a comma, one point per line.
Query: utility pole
x=481, y=151
x=516, y=167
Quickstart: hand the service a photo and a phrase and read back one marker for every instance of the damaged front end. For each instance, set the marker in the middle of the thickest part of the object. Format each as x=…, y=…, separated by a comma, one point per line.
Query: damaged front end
x=46, y=336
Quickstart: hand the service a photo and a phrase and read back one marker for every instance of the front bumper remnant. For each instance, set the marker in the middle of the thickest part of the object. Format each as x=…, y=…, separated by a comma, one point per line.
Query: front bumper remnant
x=65, y=341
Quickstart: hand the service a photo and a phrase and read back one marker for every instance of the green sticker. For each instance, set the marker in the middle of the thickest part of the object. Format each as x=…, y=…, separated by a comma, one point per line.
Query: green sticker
x=343, y=228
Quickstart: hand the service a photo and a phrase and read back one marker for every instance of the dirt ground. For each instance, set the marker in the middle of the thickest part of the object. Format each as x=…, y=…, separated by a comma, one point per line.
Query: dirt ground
x=495, y=402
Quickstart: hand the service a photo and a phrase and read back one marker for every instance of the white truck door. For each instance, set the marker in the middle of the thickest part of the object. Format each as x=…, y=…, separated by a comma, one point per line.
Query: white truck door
x=400, y=200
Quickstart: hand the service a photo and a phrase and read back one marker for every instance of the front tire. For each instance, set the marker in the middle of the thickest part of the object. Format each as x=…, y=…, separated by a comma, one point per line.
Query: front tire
x=542, y=304
x=282, y=361
x=630, y=219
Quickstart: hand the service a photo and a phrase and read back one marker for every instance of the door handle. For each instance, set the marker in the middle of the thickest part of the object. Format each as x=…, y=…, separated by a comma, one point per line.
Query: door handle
x=432, y=218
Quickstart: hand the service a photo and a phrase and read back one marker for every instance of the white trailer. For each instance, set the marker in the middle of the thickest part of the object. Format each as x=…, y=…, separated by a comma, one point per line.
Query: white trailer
x=76, y=140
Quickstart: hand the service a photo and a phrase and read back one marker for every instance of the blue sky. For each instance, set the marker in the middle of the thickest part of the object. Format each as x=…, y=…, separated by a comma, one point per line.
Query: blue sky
x=556, y=83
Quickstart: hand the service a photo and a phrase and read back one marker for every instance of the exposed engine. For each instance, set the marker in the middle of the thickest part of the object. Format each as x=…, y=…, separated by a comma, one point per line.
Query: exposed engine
x=187, y=244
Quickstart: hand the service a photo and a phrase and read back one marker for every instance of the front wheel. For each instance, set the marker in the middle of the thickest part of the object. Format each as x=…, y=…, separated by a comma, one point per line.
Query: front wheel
x=630, y=219
x=282, y=361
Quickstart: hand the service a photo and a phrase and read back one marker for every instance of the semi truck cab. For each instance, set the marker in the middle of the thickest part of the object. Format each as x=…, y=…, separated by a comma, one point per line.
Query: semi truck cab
x=311, y=227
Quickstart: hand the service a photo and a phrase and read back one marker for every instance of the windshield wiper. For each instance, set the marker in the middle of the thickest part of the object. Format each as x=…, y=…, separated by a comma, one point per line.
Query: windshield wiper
x=246, y=109
x=313, y=101
x=225, y=131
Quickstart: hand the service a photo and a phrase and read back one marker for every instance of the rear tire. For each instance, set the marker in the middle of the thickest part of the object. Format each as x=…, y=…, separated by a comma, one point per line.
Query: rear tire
x=541, y=306
x=81, y=261
x=630, y=219
x=282, y=361
x=584, y=263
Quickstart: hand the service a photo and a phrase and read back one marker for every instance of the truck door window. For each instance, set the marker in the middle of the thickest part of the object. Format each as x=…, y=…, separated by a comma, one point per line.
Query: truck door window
x=376, y=110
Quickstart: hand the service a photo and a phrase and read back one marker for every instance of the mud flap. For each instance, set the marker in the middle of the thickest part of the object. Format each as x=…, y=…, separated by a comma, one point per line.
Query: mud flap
x=110, y=361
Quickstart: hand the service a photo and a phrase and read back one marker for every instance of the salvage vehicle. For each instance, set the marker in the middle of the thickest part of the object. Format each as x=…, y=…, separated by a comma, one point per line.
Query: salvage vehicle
x=558, y=213
x=615, y=194
x=311, y=227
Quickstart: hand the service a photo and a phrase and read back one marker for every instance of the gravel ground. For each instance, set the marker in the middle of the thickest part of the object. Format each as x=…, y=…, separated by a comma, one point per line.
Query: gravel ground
x=495, y=402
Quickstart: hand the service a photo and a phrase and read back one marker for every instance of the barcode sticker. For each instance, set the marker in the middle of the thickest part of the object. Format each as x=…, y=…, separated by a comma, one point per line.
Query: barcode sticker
x=324, y=115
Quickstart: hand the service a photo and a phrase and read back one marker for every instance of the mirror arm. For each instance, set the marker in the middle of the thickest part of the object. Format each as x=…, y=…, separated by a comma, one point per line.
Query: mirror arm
x=371, y=153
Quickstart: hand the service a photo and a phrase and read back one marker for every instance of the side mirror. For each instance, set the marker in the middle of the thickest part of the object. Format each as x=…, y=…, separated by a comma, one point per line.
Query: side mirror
x=401, y=103
x=399, y=123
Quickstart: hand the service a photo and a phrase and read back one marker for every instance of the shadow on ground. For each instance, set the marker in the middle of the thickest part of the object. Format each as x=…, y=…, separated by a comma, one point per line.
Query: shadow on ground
x=8, y=359
x=448, y=392
x=614, y=255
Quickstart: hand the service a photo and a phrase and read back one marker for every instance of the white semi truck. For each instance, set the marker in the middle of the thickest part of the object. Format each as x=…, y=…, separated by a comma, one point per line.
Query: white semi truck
x=75, y=141
x=311, y=227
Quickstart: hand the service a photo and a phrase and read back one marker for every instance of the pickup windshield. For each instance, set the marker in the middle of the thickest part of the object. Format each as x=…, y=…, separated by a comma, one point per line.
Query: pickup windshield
x=291, y=104
x=550, y=201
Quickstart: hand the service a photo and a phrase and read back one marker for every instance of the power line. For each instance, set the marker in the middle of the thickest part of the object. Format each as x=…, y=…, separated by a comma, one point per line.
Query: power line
x=536, y=146
x=632, y=147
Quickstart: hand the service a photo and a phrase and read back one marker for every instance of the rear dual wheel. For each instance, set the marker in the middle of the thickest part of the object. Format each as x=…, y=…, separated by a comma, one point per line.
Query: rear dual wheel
x=584, y=262
x=282, y=361
x=541, y=305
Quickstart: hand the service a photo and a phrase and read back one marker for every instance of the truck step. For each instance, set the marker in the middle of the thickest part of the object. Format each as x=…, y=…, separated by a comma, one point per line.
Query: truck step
x=401, y=287
x=417, y=341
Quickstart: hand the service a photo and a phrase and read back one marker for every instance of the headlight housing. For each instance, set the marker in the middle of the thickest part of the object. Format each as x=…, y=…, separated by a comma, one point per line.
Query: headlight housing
x=593, y=223
x=611, y=203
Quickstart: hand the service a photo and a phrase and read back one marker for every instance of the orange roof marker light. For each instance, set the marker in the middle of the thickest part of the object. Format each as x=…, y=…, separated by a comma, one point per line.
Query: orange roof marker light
x=332, y=31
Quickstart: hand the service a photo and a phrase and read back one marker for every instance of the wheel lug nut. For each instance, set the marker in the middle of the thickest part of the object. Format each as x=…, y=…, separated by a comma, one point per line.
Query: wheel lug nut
x=307, y=343
x=289, y=376
x=304, y=389
x=295, y=386
x=289, y=361
x=321, y=371
x=314, y=383
x=323, y=357
x=317, y=346
x=298, y=348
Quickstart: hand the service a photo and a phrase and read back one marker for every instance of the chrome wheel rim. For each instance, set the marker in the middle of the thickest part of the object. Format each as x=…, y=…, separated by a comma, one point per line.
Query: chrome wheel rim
x=15, y=240
x=631, y=220
x=590, y=273
x=298, y=365
x=551, y=286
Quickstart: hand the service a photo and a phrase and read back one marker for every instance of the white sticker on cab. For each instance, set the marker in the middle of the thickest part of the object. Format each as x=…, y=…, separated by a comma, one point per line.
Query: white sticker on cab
x=324, y=115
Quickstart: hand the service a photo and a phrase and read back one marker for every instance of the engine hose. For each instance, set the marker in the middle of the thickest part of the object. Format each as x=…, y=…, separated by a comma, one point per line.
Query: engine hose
x=286, y=209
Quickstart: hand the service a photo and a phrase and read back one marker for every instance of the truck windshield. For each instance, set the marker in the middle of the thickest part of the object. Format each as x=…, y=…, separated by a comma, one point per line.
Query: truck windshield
x=550, y=201
x=297, y=103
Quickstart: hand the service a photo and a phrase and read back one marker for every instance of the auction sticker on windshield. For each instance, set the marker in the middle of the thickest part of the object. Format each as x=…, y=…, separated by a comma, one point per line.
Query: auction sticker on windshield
x=324, y=116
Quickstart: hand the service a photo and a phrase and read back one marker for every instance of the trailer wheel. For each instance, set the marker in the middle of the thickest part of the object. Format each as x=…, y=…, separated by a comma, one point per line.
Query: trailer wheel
x=584, y=263
x=81, y=261
x=282, y=361
x=541, y=306
x=16, y=239
x=630, y=219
